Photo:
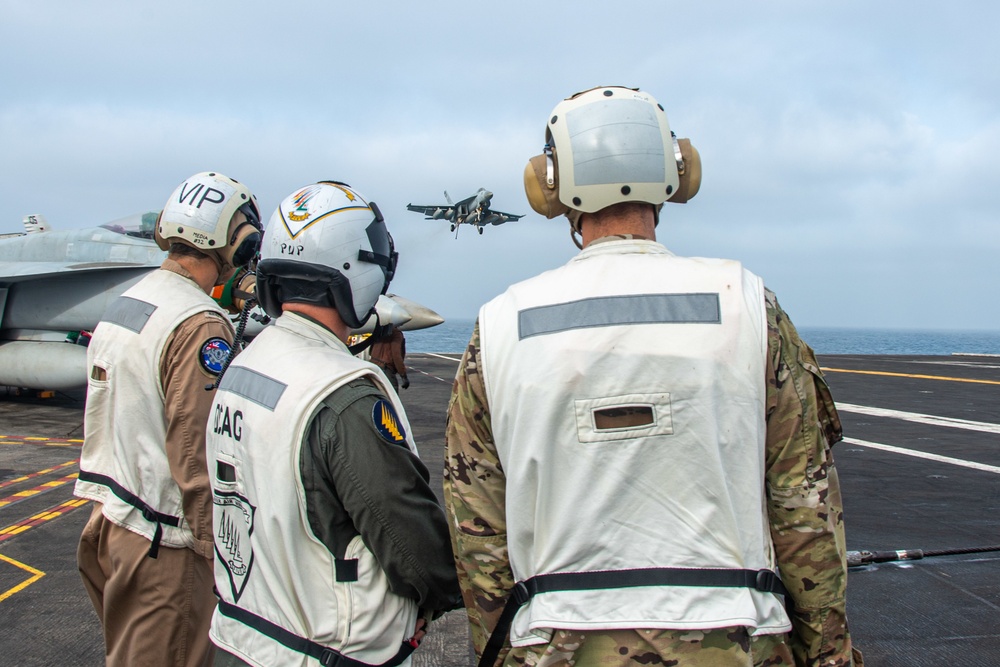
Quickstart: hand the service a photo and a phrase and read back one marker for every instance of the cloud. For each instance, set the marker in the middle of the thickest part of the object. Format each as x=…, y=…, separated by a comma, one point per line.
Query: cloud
x=850, y=149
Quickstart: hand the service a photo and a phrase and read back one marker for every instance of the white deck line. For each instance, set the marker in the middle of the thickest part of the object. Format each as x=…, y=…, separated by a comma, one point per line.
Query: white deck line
x=440, y=356
x=924, y=455
x=917, y=417
x=930, y=420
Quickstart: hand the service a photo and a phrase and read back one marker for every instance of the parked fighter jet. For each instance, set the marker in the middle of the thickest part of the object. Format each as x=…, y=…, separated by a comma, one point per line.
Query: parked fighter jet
x=56, y=284
x=474, y=210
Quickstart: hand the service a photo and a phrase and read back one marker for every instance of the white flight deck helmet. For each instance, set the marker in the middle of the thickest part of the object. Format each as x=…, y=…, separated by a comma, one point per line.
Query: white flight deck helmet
x=326, y=245
x=214, y=214
x=605, y=146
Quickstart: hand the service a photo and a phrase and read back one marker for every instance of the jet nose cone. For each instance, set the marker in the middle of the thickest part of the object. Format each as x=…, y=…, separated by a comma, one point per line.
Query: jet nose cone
x=421, y=317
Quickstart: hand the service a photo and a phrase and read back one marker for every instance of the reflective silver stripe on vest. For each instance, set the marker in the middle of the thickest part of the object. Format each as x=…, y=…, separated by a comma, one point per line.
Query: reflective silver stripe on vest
x=609, y=311
x=253, y=386
x=129, y=313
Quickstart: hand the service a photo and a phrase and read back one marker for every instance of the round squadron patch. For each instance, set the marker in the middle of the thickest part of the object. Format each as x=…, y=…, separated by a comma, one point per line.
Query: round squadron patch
x=213, y=355
x=387, y=422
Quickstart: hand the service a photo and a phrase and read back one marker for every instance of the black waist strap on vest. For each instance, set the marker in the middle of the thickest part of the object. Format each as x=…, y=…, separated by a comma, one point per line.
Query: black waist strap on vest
x=148, y=513
x=761, y=580
x=326, y=656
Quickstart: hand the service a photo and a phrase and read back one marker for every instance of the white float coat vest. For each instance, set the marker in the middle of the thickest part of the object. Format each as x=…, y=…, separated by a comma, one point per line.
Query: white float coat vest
x=124, y=463
x=680, y=342
x=269, y=563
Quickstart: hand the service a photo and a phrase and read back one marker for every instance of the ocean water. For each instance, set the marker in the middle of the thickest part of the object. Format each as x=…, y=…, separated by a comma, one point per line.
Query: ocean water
x=452, y=337
x=904, y=341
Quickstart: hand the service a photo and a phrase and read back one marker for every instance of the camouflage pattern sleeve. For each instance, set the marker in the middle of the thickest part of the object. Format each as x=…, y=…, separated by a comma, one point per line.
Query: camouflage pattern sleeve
x=474, y=494
x=804, y=505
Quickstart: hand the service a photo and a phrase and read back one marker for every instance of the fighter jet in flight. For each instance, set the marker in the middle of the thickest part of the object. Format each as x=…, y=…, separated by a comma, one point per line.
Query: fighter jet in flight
x=474, y=210
x=56, y=284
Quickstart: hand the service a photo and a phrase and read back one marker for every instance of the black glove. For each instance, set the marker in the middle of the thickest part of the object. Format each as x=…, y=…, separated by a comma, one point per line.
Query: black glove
x=405, y=384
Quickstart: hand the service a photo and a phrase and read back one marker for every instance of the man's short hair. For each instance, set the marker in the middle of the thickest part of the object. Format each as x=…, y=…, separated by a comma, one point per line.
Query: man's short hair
x=185, y=250
x=620, y=210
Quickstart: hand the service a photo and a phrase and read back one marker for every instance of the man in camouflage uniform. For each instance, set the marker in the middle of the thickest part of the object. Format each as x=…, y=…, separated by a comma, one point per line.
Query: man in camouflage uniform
x=486, y=493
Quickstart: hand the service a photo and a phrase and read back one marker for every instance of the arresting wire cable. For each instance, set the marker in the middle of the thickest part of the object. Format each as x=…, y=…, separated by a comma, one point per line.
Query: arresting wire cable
x=859, y=558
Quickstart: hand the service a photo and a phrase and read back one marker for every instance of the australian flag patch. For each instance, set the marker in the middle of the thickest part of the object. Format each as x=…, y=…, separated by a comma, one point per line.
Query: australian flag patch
x=213, y=355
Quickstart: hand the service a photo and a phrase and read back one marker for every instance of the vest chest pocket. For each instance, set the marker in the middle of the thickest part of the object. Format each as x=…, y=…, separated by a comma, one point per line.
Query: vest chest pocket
x=623, y=417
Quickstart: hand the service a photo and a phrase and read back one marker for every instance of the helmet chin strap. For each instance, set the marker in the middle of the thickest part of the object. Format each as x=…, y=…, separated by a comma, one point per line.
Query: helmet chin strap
x=380, y=331
x=220, y=266
x=574, y=227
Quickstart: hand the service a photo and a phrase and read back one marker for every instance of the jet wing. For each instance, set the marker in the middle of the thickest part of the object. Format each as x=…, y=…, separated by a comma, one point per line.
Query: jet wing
x=438, y=212
x=426, y=210
x=509, y=216
x=63, y=252
x=493, y=217
x=16, y=272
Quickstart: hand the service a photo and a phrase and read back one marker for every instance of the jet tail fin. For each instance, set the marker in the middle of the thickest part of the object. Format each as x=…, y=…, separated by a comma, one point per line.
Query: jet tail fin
x=35, y=223
x=448, y=199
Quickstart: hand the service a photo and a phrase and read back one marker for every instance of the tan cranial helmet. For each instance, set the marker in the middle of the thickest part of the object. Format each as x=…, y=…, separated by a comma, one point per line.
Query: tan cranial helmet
x=215, y=214
x=605, y=146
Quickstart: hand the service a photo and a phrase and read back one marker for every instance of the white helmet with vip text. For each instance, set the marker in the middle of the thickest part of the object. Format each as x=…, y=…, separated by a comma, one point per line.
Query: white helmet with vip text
x=326, y=245
x=605, y=146
x=214, y=214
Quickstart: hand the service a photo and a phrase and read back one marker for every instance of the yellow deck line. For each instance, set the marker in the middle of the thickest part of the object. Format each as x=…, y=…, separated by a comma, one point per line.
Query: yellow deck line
x=35, y=576
x=909, y=375
x=58, y=442
x=40, y=473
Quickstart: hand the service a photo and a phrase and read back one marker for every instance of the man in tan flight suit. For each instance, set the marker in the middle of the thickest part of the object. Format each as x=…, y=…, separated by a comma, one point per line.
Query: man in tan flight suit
x=146, y=553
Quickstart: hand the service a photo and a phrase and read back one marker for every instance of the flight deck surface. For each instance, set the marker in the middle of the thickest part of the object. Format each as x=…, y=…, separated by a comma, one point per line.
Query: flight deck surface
x=919, y=468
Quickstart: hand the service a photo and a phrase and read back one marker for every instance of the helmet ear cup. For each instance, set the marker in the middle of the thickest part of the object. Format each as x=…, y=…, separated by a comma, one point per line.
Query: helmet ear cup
x=542, y=196
x=690, y=178
x=243, y=245
x=161, y=243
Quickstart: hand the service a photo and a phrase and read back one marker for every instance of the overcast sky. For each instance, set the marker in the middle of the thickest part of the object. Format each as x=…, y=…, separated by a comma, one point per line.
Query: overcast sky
x=851, y=150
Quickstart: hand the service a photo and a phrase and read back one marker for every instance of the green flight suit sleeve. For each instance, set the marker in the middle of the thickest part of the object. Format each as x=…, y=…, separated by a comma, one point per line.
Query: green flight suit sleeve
x=357, y=482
